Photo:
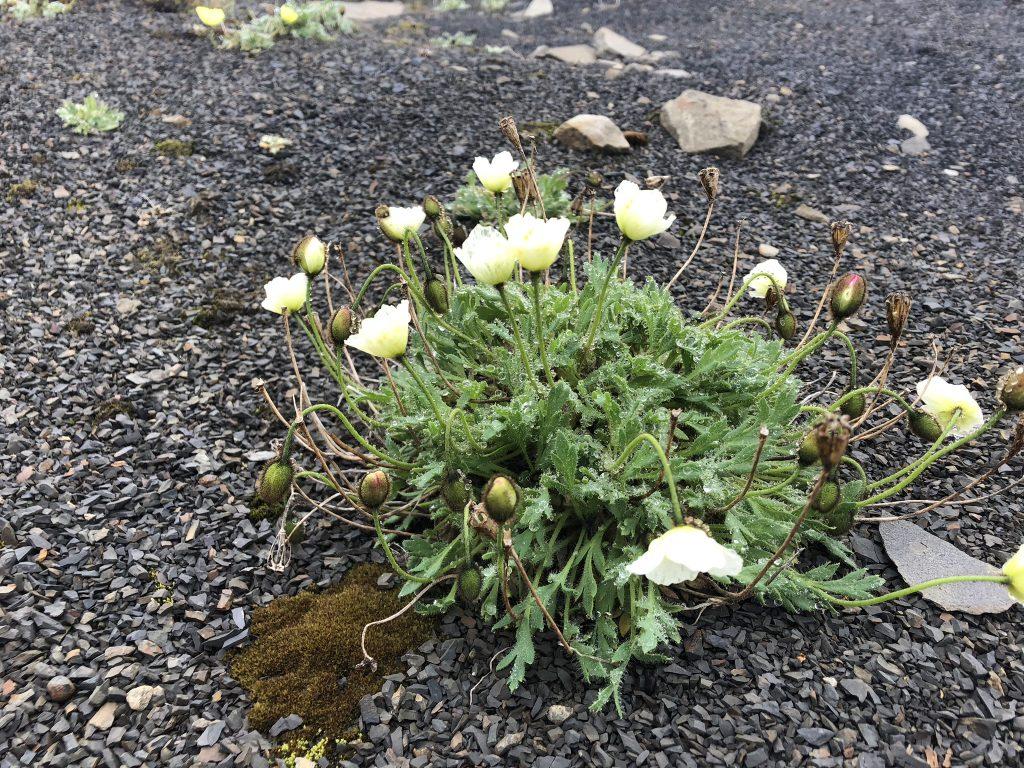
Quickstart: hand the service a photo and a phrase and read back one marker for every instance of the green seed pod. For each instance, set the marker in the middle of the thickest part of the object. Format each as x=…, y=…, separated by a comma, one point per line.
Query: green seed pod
x=455, y=493
x=501, y=498
x=469, y=586
x=432, y=207
x=785, y=324
x=310, y=255
x=341, y=325
x=828, y=497
x=294, y=531
x=436, y=294
x=807, y=453
x=855, y=406
x=925, y=426
x=275, y=481
x=1010, y=391
x=374, y=489
x=847, y=295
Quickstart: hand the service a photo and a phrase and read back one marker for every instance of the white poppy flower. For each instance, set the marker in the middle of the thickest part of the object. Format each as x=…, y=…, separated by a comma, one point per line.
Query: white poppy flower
x=535, y=242
x=942, y=400
x=487, y=256
x=401, y=223
x=640, y=213
x=1014, y=568
x=683, y=552
x=770, y=269
x=286, y=293
x=386, y=334
x=496, y=174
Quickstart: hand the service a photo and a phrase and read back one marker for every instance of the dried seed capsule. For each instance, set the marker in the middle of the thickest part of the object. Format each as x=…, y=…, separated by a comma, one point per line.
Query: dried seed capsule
x=1010, y=391
x=709, y=178
x=897, y=311
x=840, y=234
x=833, y=435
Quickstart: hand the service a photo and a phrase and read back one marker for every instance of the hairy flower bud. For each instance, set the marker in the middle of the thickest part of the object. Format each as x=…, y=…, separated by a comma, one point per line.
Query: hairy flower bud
x=310, y=255
x=341, y=324
x=833, y=435
x=840, y=519
x=807, y=453
x=897, y=310
x=469, y=586
x=501, y=498
x=847, y=295
x=855, y=406
x=374, y=489
x=1010, y=391
x=785, y=324
x=840, y=234
x=436, y=294
x=432, y=207
x=828, y=497
x=455, y=493
x=709, y=181
x=925, y=426
x=275, y=481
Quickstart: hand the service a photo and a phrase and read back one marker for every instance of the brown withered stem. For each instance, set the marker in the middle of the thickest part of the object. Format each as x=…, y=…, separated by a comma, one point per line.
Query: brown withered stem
x=762, y=438
x=840, y=232
x=368, y=660
x=709, y=182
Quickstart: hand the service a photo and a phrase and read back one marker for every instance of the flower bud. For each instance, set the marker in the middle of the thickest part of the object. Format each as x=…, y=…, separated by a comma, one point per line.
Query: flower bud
x=443, y=227
x=840, y=234
x=828, y=497
x=275, y=481
x=501, y=498
x=310, y=255
x=469, y=586
x=855, y=406
x=294, y=531
x=840, y=519
x=833, y=435
x=436, y=294
x=374, y=489
x=432, y=207
x=1010, y=391
x=897, y=310
x=807, y=453
x=341, y=325
x=455, y=493
x=925, y=426
x=785, y=323
x=847, y=295
x=709, y=181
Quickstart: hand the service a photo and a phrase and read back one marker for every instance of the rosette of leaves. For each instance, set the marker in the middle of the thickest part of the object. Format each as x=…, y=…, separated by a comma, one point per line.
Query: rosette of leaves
x=581, y=519
x=317, y=20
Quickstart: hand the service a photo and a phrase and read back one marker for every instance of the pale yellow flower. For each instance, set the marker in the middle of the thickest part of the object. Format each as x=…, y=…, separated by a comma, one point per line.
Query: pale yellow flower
x=496, y=174
x=535, y=242
x=211, y=17
x=286, y=293
x=761, y=277
x=487, y=256
x=288, y=14
x=946, y=402
x=1014, y=568
x=386, y=334
x=683, y=552
x=640, y=213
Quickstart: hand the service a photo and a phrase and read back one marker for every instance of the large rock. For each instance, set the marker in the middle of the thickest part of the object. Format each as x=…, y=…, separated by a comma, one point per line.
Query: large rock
x=592, y=133
x=535, y=9
x=919, y=556
x=373, y=10
x=701, y=122
x=570, y=54
x=608, y=41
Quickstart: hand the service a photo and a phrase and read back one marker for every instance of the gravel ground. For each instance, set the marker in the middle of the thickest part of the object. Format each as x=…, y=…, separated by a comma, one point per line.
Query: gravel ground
x=130, y=433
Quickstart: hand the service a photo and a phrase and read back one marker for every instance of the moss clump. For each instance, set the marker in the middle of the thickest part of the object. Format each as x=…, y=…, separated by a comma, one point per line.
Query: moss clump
x=304, y=658
x=108, y=409
x=126, y=164
x=175, y=147
x=162, y=256
x=260, y=510
x=221, y=310
x=80, y=325
x=21, y=190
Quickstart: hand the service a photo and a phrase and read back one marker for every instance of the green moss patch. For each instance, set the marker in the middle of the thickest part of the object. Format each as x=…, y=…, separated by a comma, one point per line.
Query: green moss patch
x=21, y=190
x=175, y=147
x=221, y=310
x=304, y=657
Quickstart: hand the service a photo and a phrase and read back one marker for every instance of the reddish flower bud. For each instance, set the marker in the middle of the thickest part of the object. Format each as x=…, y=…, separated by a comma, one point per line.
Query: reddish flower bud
x=374, y=489
x=847, y=295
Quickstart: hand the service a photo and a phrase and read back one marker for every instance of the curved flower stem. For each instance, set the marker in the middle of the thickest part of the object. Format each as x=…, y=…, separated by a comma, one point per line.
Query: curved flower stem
x=404, y=360
x=423, y=255
x=700, y=240
x=290, y=436
x=449, y=251
x=595, y=321
x=908, y=591
x=386, y=546
x=571, y=254
x=666, y=467
x=821, y=301
x=762, y=438
x=777, y=487
x=931, y=457
x=857, y=466
x=797, y=357
x=539, y=320
x=714, y=320
x=900, y=400
x=747, y=321
x=527, y=368
x=853, y=356
x=414, y=279
x=368, y=660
